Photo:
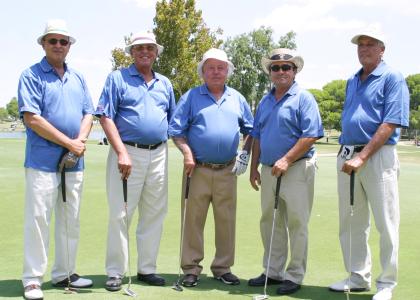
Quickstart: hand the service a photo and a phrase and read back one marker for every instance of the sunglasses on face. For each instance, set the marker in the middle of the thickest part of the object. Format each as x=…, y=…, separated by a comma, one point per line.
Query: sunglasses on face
x=284, y=68
x=62, y=42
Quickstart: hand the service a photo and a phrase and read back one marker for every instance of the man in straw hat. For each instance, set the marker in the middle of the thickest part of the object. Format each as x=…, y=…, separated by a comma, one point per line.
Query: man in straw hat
x=134, y=109
x=287, y=124
x=56, y=108
x=206, y=128
x=375, y=108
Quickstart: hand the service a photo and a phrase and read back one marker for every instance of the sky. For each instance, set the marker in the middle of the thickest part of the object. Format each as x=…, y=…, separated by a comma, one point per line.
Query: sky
x=324, y=29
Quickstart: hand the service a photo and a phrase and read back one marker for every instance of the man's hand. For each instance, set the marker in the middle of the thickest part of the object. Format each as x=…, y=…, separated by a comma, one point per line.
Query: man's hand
x=255, y=179
x=241, y=163
x=280, y=167
x=124, y=164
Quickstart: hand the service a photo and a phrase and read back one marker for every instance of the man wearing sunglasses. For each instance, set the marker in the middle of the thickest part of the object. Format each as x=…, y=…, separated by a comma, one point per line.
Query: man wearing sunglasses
x=56, y=107
x=287, y=124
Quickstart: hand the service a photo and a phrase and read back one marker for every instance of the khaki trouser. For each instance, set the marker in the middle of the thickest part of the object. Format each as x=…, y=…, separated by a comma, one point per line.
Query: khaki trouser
x=42, y=197
x=376, y=185
x=217, y=187
x=291, y=227
x=147, y=190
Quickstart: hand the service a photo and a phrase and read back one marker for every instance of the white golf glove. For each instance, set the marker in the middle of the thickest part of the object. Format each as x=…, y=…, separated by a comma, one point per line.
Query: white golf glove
x=241, y=163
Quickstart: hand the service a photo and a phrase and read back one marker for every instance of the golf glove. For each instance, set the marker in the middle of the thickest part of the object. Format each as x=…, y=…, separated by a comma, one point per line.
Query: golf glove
x=68, y=161
x=241, y=163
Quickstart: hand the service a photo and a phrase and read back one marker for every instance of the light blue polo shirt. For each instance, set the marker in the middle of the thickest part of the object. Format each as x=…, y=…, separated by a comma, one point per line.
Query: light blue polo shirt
x=140, y=110
x=63, y=102
x=383, y=97
x=212, y=127
x=280, y=124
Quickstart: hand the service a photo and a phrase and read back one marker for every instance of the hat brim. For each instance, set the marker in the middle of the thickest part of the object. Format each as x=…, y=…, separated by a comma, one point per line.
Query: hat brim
x=296, y=60
x=128, y=48
x=355, y=39
x=72, y=39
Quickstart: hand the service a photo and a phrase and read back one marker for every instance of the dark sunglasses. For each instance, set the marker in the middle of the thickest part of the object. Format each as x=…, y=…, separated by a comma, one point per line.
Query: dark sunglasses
x=62, y=42
x=284, y=68
x=281, y=57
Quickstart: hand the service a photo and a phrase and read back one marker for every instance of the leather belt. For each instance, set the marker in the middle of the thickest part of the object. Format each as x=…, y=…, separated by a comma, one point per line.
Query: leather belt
x=358, y=149
x=141, y=146
x=214, y=166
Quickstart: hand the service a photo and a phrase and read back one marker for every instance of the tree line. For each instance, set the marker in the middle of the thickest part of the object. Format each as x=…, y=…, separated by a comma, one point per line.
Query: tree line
x=179, y=27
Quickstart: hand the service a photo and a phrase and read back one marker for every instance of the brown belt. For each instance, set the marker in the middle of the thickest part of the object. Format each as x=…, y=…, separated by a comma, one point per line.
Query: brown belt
x=214, y=166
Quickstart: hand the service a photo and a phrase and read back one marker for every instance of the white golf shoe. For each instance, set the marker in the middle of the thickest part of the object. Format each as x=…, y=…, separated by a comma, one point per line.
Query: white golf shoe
x=345, y=285
x=33, y=292
x=383, y=294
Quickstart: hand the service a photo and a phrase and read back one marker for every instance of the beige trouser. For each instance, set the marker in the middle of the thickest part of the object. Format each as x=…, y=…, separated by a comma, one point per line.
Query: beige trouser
x=291, y=225
x=376, y=185
x=217, y=187
x=42, y=196
x=147, y=190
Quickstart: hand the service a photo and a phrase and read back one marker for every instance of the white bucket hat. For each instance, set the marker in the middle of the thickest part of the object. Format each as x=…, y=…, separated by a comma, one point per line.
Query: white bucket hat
x=373, y=33
x=282, y=54
x=215, y=54
x=141, y=38
x=57, y=26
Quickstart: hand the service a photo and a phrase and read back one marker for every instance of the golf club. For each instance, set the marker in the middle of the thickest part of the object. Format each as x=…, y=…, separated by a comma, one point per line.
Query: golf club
x=68, y=289
x=127, y=290
x=276, y=202
x=347, y=287
x=176, y=286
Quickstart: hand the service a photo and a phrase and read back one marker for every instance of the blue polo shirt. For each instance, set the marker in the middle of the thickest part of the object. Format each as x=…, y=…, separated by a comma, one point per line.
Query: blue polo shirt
x=211, y=127
x=63, y=102
x=140, y=110
x=383, y=97
x=280, y=124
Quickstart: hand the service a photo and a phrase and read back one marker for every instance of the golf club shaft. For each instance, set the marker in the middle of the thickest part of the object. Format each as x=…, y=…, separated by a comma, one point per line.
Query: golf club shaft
x=127, y=230
x=187, y=190
x=352, y=188
x=276, y=203
x=63, y=194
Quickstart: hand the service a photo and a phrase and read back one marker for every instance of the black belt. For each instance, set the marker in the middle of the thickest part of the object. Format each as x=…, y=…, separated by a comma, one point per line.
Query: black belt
x=141, y=146
x=305, y=157
x=356, y=149
x=214, y=166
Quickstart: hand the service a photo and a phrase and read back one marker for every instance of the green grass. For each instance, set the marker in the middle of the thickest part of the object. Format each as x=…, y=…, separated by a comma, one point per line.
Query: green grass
x=325, y=262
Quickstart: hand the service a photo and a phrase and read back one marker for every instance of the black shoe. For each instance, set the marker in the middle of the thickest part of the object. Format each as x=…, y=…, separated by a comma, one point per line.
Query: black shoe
x=151, y=279
x=229, y=278
x=75, y=281
x=113, y=284
x=260, y=281
x=190, y=280
x=288, y=287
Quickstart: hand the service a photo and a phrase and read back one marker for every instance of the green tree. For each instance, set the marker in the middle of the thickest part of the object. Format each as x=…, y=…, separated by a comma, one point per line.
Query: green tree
x=119, y=58
x=413, y=83
x=245, y=51
x=12, y=108
x=3, y=113
x=180, y=28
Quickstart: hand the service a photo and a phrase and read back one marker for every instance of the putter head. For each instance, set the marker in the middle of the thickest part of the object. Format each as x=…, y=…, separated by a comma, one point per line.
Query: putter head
x=129, y=292
x=260, y=297
x=177, y=287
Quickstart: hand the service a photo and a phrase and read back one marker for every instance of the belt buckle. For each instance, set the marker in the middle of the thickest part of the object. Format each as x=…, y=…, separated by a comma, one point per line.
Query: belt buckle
x=347, y=152
x=150, y=147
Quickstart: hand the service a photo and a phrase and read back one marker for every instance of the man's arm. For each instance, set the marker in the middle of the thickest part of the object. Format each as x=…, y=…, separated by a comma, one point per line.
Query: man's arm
x=46, y=130
x=300, y=148
x=85, y=127
x=254, y=175
x=380, y=137
x=124, y=160
x=189, y=162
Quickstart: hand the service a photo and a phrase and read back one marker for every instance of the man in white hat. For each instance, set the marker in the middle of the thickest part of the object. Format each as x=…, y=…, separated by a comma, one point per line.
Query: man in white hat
x=287, y=124
x=375, y=108
x=134, y=109
x=56, y=108
x=206, y=127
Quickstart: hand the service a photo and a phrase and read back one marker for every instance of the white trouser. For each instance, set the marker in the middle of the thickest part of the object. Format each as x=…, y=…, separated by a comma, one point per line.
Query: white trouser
x=42, y=196
x=376, y=185
x=147, y=188
x=291, y=227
